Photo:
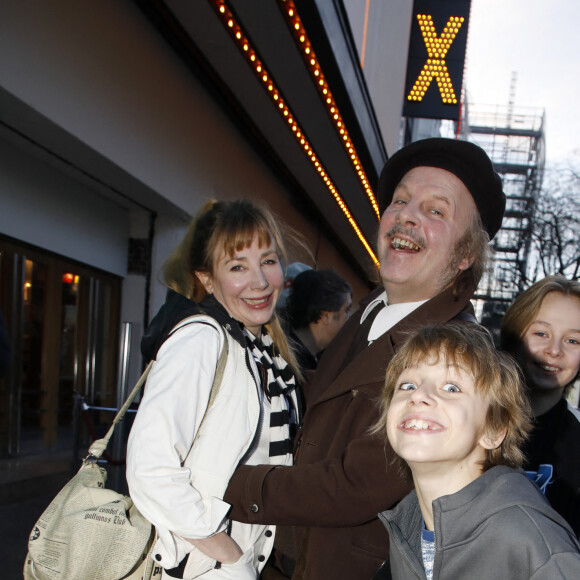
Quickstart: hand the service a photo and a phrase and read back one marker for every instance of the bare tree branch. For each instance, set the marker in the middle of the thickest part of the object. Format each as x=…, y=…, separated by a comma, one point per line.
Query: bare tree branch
x=555, y=247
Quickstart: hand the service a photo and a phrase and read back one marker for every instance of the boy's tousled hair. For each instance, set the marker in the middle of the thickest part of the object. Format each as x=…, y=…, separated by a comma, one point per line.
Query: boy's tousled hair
x=496, y=376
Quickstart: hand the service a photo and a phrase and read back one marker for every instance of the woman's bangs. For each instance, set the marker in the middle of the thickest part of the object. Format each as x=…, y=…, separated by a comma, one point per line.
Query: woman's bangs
x=243, y=236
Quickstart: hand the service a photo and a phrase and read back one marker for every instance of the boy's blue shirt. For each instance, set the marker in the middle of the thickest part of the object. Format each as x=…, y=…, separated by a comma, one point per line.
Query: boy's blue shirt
x=428, y=550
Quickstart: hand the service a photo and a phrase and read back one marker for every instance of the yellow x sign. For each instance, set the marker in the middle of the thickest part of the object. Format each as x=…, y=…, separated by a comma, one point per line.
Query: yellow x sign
x=435, y=67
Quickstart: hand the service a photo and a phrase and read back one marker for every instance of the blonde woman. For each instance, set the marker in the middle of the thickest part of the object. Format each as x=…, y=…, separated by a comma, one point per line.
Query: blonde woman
x=228, y=269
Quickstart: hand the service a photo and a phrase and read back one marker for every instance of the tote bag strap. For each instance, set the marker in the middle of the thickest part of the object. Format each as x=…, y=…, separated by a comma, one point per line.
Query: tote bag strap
x=99, y=446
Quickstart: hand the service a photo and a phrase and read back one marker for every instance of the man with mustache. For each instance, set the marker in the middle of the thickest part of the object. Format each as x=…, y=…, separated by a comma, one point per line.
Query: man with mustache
x=441, y=203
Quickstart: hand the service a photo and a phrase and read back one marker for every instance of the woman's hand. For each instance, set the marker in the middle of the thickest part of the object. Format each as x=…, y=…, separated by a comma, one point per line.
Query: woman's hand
x=219, y=547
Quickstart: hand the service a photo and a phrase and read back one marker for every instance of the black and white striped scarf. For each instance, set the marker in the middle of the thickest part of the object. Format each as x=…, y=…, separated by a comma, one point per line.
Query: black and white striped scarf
x=279, y=385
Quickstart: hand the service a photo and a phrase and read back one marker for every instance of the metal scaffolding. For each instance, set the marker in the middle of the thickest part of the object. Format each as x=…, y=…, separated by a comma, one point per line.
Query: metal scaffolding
x=514, y=140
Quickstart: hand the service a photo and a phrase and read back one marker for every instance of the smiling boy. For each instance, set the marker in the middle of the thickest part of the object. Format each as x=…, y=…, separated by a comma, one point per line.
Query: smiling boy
x=454, y=411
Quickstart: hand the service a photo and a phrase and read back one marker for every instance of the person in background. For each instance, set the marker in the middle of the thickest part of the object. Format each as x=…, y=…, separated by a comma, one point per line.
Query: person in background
x=455, y=412
x=318, y=306
x=441, y=202
x=541, y=329
x=224, y=279
x=293, y=270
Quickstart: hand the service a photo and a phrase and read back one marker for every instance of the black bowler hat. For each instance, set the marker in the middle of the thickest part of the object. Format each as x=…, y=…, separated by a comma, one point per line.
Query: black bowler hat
x=465, y=160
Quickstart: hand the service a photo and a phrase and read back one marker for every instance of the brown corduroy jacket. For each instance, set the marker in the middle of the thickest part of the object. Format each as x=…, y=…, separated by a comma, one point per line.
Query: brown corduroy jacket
x=341, y=479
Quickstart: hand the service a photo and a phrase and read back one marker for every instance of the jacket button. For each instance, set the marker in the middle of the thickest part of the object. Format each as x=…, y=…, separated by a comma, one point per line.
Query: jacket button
x=268, y=533
x=261, y=558
x=254, y=508
x=158, y=557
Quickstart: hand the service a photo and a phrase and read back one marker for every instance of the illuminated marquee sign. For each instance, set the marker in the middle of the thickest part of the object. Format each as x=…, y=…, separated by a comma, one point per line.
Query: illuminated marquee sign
x=436, y=58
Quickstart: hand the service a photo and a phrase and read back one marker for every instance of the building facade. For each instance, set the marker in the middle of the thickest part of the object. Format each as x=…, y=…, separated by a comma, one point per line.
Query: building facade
x=119, y=119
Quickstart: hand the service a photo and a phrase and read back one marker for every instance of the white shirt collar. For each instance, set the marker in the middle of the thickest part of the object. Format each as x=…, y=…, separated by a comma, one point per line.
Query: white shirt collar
x=380, y=299
x=388, y=316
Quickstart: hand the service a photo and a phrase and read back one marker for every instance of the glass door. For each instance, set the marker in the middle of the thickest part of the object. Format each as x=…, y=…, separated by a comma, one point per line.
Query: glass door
x=63, y=321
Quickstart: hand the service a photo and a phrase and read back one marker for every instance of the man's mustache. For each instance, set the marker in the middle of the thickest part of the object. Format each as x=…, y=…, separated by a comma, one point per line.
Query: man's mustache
x=408, y=233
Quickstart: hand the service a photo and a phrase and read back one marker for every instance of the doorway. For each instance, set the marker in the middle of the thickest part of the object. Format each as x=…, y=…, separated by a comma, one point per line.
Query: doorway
x=62, y=319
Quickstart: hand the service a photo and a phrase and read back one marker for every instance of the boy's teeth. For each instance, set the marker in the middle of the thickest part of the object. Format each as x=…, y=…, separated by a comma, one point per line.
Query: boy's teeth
x=417, y=424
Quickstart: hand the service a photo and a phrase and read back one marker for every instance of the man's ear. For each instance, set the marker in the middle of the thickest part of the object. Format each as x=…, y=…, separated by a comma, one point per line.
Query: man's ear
x=206, y=280
x=325, y=317
x=492, y=439
x=466, y=262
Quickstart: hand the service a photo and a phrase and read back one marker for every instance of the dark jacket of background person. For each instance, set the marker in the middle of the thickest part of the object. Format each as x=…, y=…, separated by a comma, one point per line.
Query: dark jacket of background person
x=498, y=526
x=555, y=440
x=337, y=458
x=306, y=360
